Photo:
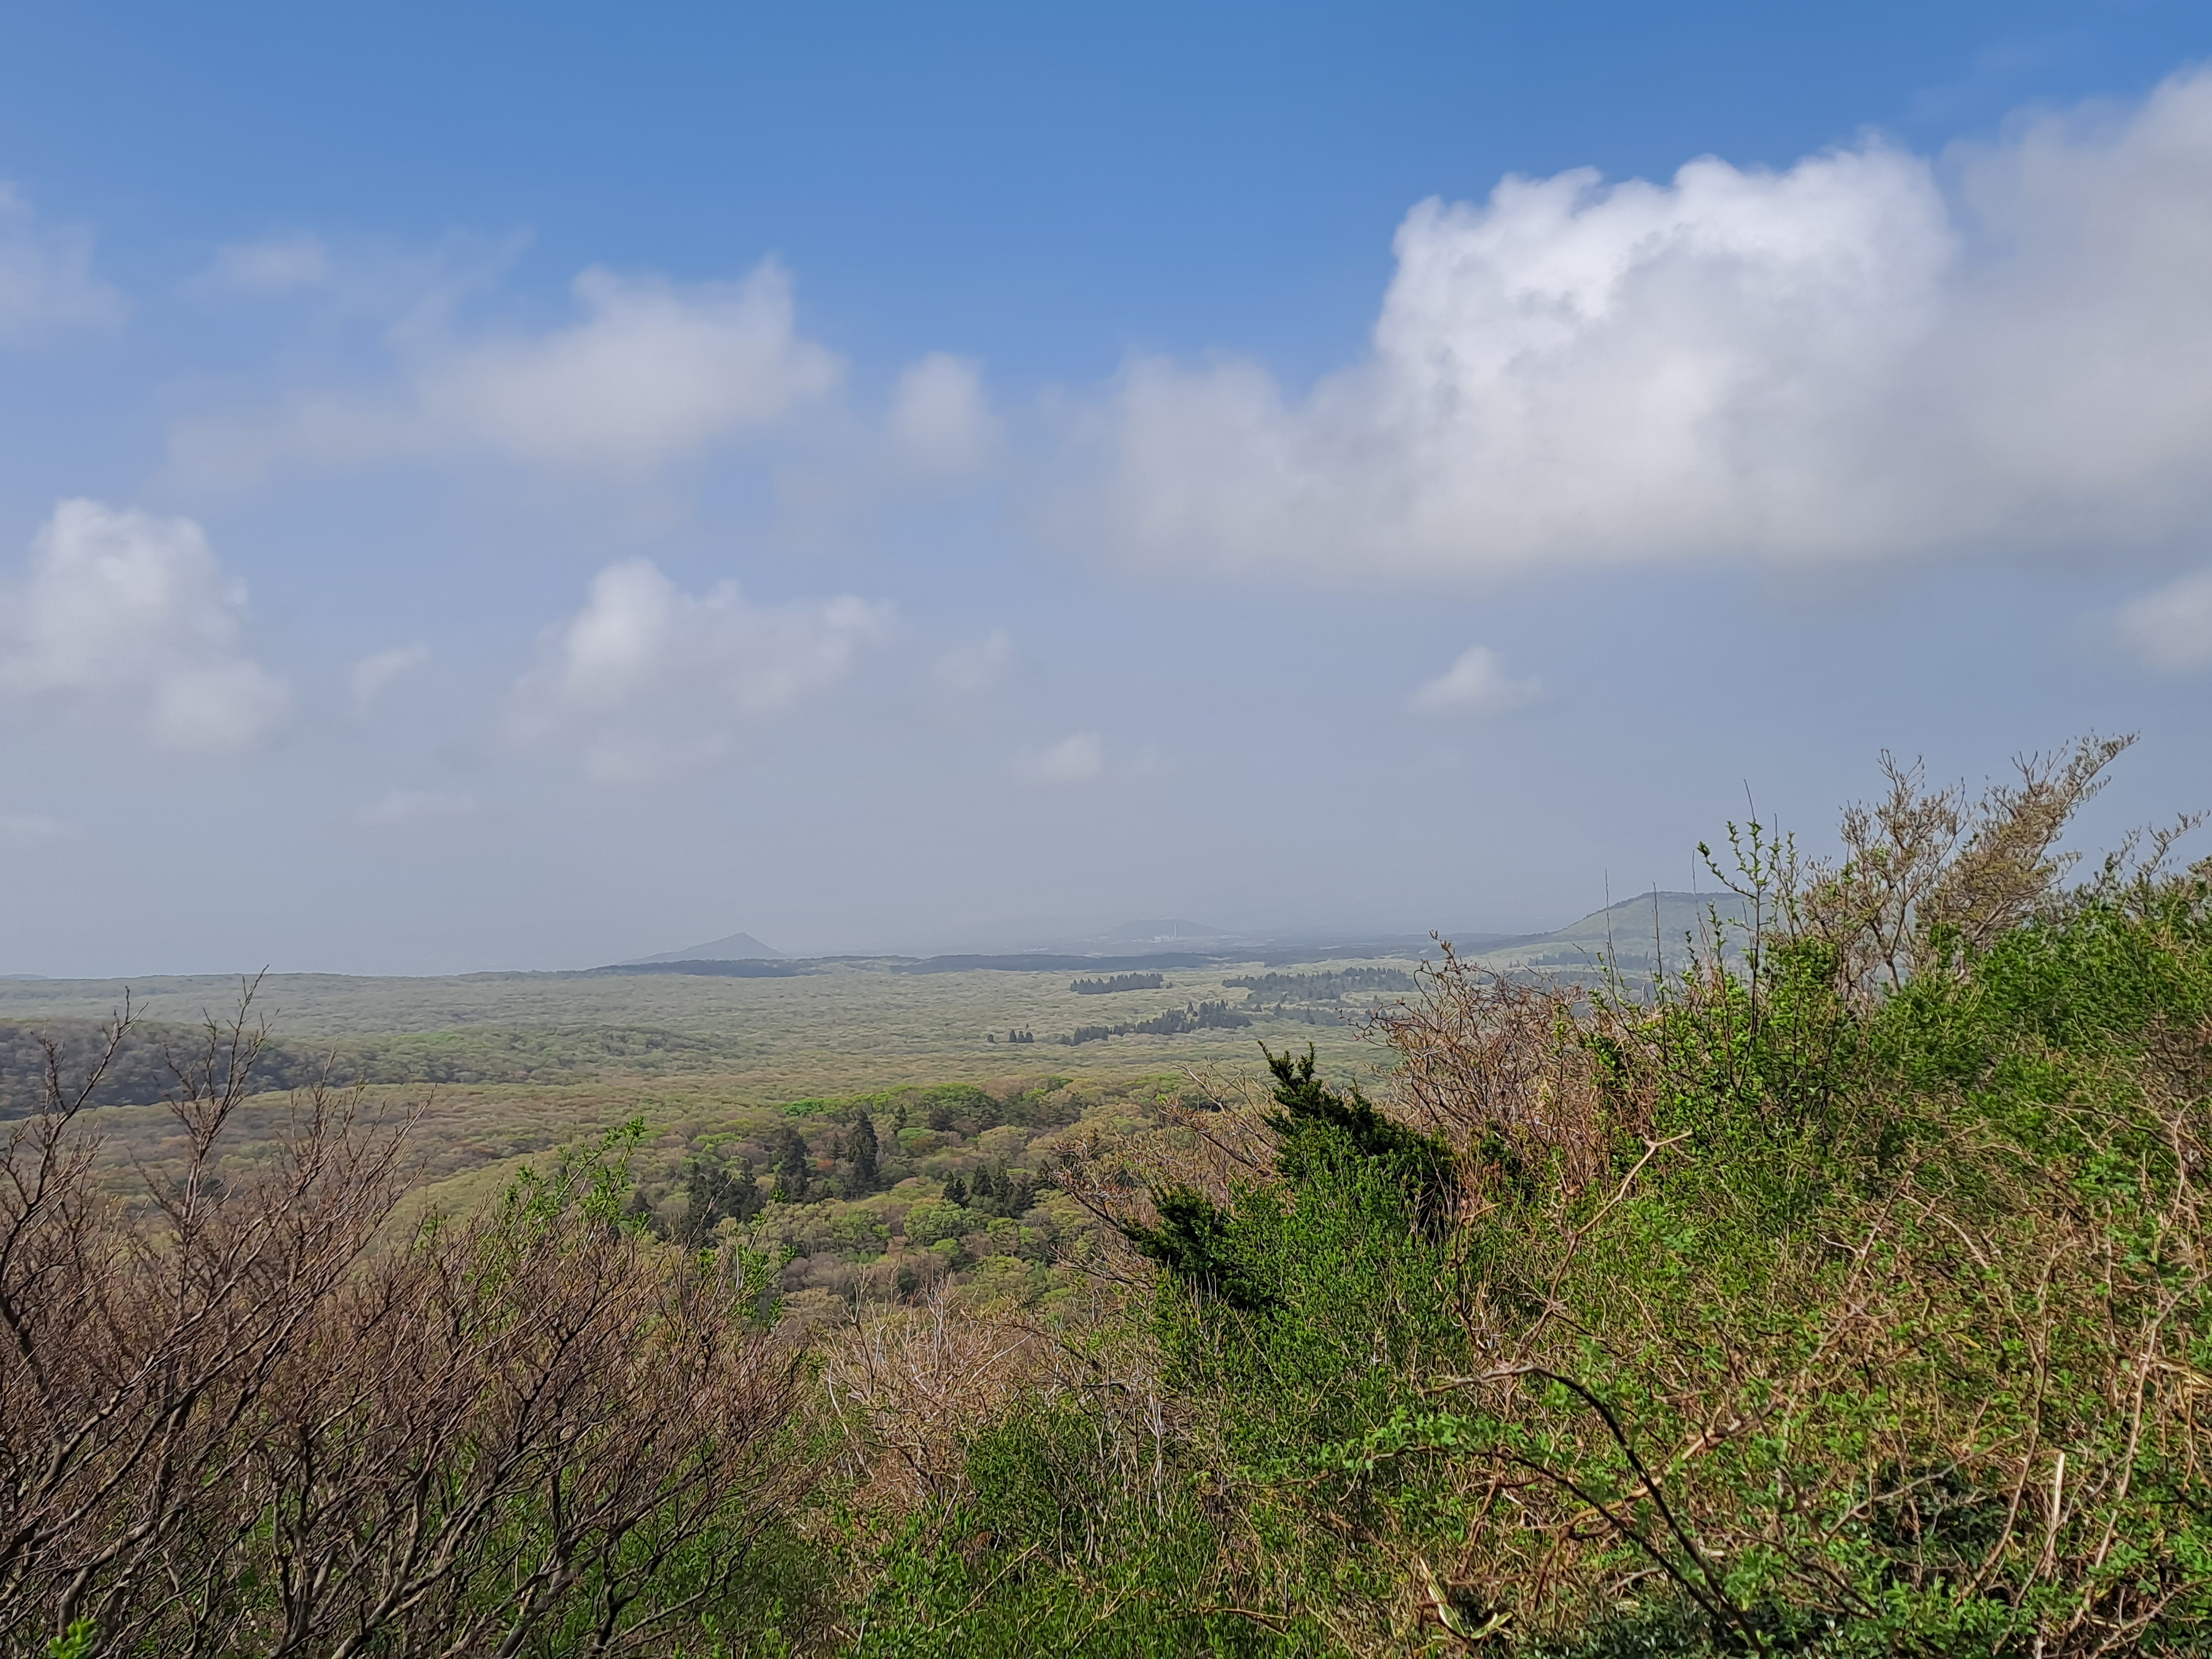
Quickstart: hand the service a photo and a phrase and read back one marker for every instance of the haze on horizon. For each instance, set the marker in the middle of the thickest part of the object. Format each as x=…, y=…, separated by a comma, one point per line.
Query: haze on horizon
x=532, y=488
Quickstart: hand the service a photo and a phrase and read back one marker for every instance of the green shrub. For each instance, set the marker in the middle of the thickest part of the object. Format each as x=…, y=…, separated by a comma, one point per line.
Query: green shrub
x=1851, y=1296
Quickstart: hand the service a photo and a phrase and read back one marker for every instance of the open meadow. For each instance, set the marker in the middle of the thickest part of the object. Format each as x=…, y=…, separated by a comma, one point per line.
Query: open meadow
x=752, y=1079
x=741, y=1093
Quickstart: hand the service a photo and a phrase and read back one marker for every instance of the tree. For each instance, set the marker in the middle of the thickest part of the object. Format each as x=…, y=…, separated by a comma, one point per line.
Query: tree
x=794, y=1166
x=861, y=1146
x=1321, y=1135
x=717, y=1191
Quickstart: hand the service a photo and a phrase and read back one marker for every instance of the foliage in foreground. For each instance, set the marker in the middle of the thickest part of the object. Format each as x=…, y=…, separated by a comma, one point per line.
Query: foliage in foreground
x=230, y=1423
x=1850, y=1301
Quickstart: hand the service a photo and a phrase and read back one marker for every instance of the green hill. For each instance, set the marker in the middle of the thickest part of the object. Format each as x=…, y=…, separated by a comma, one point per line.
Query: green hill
x=1652, y=932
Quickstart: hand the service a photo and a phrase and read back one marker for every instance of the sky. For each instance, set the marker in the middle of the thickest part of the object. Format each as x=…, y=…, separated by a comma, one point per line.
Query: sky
x=487, y=486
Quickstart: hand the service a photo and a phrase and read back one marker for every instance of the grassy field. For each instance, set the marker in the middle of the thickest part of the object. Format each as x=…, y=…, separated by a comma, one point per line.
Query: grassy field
x=503, y=1068
x=838, y=1026
x=843, y=1027
x=723, y=1072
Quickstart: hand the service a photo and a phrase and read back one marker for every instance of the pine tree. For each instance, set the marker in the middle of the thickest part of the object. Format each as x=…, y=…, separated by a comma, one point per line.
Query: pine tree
x=1316, y=1124
x=861, y=1146
x=793, y=1166
x=1318, y=1131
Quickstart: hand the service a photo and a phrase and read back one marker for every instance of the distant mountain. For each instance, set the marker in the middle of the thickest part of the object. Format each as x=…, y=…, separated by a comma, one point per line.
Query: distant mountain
x=1664, y=918
x=1169, y=930
x=1650, y=932
x=1640, y=934
x=738, y=947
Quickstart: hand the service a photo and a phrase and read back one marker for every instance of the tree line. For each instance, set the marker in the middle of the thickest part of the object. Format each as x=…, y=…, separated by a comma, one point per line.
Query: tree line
x=1113, y=982
x=1192, y=1017
x=1330, y=985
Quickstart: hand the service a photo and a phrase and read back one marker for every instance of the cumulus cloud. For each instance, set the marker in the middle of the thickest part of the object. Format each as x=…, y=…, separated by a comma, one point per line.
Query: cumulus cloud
x=2172, y=629
x=1076, y=758
x=1868, y=355
x=410, y=295
x=651, y=372
x=646, y=678
x=46, y=279
x=1477, y=684
x=379, y=669
x=133, y=614
x=940, y=421
x=973, y=669
x=273, y=265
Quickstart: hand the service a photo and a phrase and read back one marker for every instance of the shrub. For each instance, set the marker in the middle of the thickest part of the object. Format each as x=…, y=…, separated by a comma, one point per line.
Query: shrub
x=1853, y=1294
x=228, y=1424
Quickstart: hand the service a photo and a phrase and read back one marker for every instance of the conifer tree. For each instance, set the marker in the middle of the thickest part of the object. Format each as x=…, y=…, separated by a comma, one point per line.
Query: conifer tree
x=793, y=1166
x=861, y=1148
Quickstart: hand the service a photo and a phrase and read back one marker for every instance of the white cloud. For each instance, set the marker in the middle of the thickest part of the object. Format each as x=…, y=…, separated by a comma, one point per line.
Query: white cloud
x=1867, y=355
x=940, y=421
x=644, y=679
x=651, y=372
x=973, y=669
x=2172, y=629
x=410, y=295
x=46, y=279
x=134, y=614
x=273, y=265
x=406, y=808
x=379, y=669
x=1477, y=683
x=1076, y=758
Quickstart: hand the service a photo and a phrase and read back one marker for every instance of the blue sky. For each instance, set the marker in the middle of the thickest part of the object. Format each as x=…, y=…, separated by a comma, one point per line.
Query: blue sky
x=502, y=486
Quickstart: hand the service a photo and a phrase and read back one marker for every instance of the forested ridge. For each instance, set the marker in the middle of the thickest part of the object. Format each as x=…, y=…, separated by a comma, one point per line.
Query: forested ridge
x=143, y=1071
x=1846, y=1293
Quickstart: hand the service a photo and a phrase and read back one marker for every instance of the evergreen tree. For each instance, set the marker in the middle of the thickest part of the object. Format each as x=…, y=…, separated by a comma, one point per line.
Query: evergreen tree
x=1196, y=1242
x=715, y=1192
x=861, y=1146
x=1321, y=1135
x=794, y=1166
x=1316, y=1125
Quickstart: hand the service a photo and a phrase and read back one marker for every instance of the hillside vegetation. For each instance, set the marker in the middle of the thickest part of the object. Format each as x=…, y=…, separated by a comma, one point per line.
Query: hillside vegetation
x=1844, y=1294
